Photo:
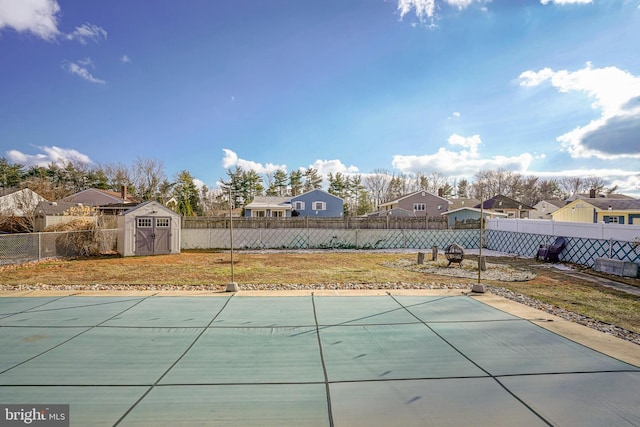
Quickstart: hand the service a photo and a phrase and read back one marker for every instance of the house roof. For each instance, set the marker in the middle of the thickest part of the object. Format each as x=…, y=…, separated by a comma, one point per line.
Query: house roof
x=503, y=202
x=315, y=190
x=406, y=196
x=555, y=202
x=615, y=204
x=598, y=196
x=56, y=208
x=461, y=203
x=95, y=196
x=270, y=202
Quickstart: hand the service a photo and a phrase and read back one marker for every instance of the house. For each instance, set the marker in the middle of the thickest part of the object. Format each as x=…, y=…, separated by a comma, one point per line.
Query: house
x=504, y=204
x=19, y=203
x=48, y=214
x=107, y=202
x=544, y=208
x=468, y=217
x=314, y=203
x=268, y=207
x=317, y=203
x=421, y=203
x=593, y=210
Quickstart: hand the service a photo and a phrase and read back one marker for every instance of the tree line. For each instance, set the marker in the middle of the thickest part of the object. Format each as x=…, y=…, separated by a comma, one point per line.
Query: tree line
x=145, y=179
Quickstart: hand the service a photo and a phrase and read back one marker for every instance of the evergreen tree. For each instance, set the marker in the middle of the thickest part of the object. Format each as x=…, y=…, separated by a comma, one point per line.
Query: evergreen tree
x=10, y=174
x=462, y=192
x=186, y=194
x=295, y=182
x=312, y=180
x=279, y=184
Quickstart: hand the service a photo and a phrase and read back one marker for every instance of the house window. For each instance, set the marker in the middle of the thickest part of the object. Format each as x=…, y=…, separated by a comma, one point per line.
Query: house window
x=419, y=207
x=277, y=214
x=259, y=214
x=613, y=219
x=319, y=206
x=299, y=206
x=162, y=222
x=144, y=222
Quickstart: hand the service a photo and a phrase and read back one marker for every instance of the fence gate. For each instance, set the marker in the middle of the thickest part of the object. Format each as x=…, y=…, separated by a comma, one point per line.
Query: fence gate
x=153, y=235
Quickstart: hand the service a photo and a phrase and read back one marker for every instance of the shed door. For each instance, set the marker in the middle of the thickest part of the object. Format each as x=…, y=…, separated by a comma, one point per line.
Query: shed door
x=153, y=235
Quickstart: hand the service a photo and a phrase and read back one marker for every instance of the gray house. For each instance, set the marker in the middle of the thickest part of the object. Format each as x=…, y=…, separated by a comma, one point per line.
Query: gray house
x=421, y=203
x=544, y=208
x=314, y=203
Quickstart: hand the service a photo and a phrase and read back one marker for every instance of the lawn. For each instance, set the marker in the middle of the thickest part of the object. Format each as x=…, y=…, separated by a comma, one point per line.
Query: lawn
x=213, y=268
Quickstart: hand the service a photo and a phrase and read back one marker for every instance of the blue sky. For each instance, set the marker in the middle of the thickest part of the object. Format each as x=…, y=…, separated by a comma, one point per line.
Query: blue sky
x=540, y=87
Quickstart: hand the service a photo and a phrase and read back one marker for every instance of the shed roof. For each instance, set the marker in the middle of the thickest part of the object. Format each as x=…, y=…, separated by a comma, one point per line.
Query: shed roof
x=164, y=209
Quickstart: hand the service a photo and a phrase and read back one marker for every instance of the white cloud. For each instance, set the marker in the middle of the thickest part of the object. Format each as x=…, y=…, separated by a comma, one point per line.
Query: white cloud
x=88, y=32
x=460, y=4
x=462, y=163
x=426, y=10
x=81, y=69
x=49, y=155
x=325, y=167
x=422, y=8
x=615, y=92
x=39, y=17
x=125, y=58
x=565, y=2
x=231, y=160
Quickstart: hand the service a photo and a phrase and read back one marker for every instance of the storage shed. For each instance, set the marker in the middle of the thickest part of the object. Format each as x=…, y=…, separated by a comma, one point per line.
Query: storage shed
x=148, y=229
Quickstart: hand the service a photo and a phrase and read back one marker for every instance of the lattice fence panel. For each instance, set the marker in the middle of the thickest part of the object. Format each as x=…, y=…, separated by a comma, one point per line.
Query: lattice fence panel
x=578, y=250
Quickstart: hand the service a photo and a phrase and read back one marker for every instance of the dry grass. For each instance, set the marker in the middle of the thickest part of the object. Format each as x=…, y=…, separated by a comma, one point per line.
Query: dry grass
x=213, y=268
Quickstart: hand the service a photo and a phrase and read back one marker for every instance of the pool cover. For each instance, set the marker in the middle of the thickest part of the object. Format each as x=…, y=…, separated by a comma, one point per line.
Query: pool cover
x=304, y=361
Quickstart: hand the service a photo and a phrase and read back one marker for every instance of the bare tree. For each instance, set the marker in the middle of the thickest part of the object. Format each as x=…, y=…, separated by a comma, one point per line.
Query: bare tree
x=572, y=185
x=376, y=184
x=118, y=175
x=148, y=176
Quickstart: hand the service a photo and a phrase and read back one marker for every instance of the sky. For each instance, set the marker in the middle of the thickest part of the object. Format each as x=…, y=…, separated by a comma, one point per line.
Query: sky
x=549, y=88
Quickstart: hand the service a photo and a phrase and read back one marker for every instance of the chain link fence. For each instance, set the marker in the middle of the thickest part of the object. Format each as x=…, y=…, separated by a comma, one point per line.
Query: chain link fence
x=26, y=247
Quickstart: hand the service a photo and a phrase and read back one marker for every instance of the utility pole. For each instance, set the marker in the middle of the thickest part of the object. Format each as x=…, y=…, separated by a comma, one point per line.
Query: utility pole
x=233, y=286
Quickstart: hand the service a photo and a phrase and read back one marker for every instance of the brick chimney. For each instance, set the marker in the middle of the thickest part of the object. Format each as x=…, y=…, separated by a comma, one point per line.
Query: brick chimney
x=440, y=192
x=592, y=193
x=123, y=192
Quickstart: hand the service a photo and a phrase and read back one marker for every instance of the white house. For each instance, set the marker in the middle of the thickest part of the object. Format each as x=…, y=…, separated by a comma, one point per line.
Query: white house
x=19, y=202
